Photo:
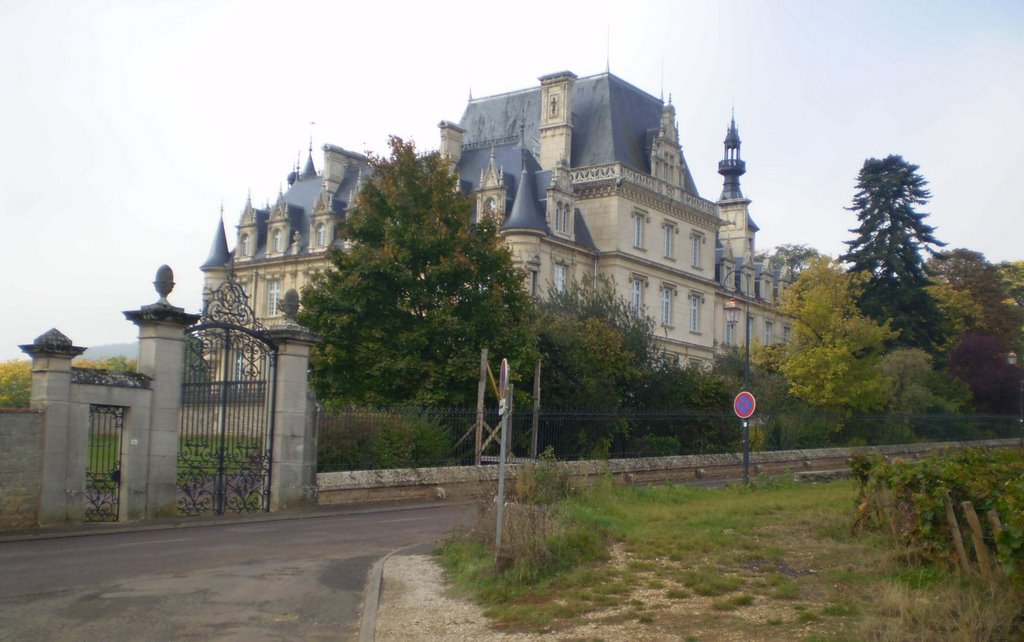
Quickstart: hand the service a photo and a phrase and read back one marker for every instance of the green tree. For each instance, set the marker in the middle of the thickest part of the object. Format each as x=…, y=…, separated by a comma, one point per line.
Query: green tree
x=1012, y=273
x=994, y=313
x=888, y=246
x=15, y=383
x=405, y=313
x=114, y=364
x=916, y=387
x=833, y=355
x=791, y=259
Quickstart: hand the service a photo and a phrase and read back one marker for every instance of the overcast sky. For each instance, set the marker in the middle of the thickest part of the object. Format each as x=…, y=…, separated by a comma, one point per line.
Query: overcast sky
x=127, y=125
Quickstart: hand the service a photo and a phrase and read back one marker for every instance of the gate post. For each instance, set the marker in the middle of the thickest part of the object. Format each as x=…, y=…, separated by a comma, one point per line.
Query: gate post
x=293, y=469
x=64, y=436
x=162, y=358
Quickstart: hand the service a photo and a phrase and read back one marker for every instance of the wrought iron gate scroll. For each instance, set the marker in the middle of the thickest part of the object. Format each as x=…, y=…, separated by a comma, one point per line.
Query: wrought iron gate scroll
x=103, y=470
x=227, y=414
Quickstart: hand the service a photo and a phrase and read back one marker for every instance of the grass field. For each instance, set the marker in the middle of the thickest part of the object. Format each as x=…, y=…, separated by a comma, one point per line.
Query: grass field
x=777, y=561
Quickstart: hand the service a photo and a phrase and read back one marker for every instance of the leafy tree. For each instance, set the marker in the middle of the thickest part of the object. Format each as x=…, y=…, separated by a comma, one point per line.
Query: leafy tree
x=890, y=240
x=1012, y=273
x=832, y=359
x=994, y=312
x=791, y=259
x=15, y=383
x=405, y=313
x=916, y=387
x=980, y=361
x=114, y=364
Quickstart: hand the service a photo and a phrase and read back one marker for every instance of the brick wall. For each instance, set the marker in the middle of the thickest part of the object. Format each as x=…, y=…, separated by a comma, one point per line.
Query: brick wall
x=21, y=448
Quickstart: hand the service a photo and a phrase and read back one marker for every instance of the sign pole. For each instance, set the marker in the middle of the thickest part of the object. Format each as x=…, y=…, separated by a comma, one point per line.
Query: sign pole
x=504, y=408
x=744, y=406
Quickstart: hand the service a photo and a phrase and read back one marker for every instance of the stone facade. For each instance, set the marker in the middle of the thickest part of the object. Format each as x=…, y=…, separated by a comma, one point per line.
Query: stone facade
x=588, y=178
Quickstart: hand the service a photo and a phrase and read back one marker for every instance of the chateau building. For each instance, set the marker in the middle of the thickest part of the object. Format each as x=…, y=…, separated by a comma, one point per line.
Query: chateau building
x=588, y=178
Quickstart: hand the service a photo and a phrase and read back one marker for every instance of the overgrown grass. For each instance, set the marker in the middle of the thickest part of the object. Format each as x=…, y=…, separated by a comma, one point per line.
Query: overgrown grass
x=776, y=561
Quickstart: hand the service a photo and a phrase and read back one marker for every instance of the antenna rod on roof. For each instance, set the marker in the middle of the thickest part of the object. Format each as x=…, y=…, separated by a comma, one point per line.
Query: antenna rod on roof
x=608, y=50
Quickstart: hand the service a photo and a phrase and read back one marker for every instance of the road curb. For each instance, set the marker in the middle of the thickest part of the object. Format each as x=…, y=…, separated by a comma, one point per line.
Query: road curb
x=374, y=590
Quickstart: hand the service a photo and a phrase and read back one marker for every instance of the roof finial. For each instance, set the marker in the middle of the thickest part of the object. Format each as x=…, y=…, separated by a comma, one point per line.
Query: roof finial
x=608, y=50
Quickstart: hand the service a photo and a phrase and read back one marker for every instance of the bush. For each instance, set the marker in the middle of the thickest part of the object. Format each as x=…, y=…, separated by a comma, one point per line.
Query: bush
x=366, y=440
x=909, y=497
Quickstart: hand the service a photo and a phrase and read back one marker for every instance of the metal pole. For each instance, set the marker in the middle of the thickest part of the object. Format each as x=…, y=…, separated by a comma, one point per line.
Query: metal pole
x=536, y=410
x=481, y=389
x=746, y=387
x=501, y=473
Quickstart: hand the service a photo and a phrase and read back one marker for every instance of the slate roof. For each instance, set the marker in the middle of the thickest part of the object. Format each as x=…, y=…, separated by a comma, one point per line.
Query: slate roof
x=611, y=121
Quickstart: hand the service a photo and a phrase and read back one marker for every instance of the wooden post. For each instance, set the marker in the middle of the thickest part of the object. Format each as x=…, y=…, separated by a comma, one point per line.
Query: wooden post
x=536, y=410
x=954, y=529
x=997, y=526
x=480, y=389
x=978, y=537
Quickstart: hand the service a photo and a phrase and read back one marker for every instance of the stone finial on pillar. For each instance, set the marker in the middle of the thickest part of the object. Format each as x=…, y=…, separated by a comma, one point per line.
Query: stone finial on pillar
x=52, y=342
x=290, y=306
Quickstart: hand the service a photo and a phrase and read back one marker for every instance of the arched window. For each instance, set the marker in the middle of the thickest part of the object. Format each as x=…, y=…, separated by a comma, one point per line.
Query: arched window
x=321, y=234
x=244, y=244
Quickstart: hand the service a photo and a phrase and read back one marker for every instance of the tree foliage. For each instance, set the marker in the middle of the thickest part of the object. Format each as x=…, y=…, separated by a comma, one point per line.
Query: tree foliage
x=994, y=312
x=980, y=361
x=888, y=246
x=405, y=313
x=791, y=259
x=114, y=364
x=917, y=388
x=15, y=383
x=832, y=358
x=600, y=354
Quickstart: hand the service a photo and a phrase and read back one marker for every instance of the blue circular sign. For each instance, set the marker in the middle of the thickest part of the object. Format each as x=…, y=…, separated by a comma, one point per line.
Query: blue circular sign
x=744, y=405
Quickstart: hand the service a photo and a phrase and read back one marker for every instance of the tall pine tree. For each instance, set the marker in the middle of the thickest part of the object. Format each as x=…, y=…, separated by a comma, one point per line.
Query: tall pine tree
x=890, y=240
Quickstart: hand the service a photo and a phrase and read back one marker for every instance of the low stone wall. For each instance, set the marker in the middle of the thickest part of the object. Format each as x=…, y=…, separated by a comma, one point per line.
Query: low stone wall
x=21, y=442
x=468, y=482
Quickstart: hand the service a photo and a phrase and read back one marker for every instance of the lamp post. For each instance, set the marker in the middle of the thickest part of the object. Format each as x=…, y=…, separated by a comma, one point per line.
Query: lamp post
x=732, y=317
x=1012, y=360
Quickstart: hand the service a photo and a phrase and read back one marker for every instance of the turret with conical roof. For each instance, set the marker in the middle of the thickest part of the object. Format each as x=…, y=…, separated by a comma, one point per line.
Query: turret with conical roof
x=732, y=166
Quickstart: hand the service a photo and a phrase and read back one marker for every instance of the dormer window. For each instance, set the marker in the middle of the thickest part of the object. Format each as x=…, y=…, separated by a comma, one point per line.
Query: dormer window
x=321, y=234
x=244, y=245
x=278, y=241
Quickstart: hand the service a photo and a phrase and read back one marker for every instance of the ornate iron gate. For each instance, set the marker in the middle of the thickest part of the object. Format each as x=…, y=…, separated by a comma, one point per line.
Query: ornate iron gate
x=103, y=471
x=227, y=416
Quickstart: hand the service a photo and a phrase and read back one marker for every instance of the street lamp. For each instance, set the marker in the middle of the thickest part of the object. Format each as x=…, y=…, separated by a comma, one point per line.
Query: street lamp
x=732, y=317
x=1012, y=360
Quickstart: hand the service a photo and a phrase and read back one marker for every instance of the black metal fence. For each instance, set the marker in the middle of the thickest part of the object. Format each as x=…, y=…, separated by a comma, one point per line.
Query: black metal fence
x=358, y=439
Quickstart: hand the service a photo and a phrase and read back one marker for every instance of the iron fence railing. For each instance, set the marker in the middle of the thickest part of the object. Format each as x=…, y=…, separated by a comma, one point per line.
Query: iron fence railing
x=360, y=439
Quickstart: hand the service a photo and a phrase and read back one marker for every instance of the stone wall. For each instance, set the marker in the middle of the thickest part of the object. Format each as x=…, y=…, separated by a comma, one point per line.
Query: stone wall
x=21, y=442
x=469, y=482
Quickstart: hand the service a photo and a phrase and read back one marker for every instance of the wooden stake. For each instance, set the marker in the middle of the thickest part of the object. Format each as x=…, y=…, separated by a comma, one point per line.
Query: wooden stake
x=954, y=529
x=993, y=520
x=980, y=550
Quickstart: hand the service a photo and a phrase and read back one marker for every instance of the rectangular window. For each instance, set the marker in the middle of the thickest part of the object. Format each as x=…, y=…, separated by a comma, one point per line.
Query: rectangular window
x=670, y=241
x=666, y=306
x=695, y=243
x=533, y=282
x=638, y=230
x=785, y=334
x=729, y=338
x=636, y=292
x=273, y=298
x=768, y=339
x=560, y=274
x=694, y=313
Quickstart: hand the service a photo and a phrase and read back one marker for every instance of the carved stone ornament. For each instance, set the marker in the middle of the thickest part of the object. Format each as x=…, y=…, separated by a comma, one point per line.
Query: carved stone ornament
x=164, y=282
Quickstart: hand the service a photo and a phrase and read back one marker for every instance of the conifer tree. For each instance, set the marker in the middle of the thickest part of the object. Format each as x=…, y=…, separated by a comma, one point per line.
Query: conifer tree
x=890, y=240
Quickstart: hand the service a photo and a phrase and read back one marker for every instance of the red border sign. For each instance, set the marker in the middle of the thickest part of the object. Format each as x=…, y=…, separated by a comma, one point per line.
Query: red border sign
x=503, y=378
x=744, y=405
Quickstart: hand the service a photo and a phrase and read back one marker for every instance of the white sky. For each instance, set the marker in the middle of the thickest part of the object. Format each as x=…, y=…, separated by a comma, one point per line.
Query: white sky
x=126, y=124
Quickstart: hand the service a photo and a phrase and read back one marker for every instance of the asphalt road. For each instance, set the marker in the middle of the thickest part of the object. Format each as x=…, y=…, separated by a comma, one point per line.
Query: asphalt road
x=290, y=579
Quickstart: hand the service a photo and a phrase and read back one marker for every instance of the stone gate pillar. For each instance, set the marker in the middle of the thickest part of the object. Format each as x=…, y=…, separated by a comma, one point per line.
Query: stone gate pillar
x=293, y=470
x=65, y=428
x=162, y=358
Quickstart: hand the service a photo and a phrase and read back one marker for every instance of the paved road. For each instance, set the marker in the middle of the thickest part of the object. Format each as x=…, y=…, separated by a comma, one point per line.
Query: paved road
x=294, y=579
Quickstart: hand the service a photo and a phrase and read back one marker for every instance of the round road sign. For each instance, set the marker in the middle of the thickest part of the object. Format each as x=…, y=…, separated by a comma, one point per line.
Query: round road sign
x=503, y=378
x=744, y=405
